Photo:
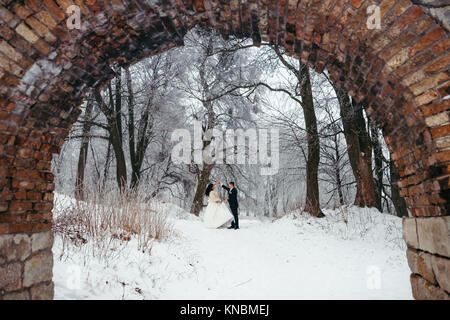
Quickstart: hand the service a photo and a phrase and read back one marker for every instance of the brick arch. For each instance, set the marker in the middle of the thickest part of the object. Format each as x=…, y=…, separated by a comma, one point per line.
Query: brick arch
x=401, y=71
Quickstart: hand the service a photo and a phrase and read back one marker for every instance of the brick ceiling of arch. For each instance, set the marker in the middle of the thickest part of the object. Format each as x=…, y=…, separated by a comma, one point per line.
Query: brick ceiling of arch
x=401, y=70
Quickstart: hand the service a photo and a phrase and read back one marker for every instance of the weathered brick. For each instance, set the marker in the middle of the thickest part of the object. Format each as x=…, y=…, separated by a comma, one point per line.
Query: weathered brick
x=10, y=52
x=356, y=3
x=438, y=119
x=54, y=9
x=41, y=29
x=427, y=97
x=426, y=40
x=64, y=4
x=27, y=174
x=11, y=67
x=31, y=195
x=27, y=185
x=442, y=156
x=43, y=206
x=429, y=83
x=424, y=24
x=440, y=132
x=442, y=46
x=408, y=19
x=439, y=64
x=399, y=59
x=25, y=153
x=414, y=78
x=20, y=206
x=26, y=32
x=47, y=19
x=20, y=195
x=22, y=11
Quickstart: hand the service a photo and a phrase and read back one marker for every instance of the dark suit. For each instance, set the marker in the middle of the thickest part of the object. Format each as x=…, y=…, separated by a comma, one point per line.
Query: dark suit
x=233, y=202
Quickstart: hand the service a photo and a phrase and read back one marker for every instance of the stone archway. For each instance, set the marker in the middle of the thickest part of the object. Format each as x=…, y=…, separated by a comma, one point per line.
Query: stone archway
x=400, y=70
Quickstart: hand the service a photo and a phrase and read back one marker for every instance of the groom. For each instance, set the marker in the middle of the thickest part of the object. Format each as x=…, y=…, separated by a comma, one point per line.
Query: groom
x=233, y=202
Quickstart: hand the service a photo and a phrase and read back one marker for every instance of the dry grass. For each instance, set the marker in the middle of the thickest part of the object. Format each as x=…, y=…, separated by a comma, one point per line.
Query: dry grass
x=104, y=220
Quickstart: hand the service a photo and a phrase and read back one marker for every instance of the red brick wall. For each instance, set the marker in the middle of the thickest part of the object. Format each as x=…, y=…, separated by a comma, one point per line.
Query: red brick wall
x=400, y=70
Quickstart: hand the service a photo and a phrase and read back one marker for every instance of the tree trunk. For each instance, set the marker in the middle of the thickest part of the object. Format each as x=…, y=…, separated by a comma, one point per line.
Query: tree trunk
x=273, y=197
x=312, y=164
x=378, y=155
x=337, y=172
x=399, y=203
x=107, y=163
x=117, y=141
x=204, y=173
x=121, y=167
x=359, y=149
x=203, y=181
x=113, y=116
x=367, y=195
x=312, y=205
x=84, y=148
x=137, y=152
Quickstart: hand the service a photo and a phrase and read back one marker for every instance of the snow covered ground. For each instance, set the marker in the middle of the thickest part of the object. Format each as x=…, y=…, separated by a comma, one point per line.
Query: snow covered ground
x=351, y=254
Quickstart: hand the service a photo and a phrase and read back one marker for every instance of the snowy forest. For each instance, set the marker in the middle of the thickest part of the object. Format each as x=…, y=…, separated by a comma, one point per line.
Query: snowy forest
x=130, y=219
x=330, y=153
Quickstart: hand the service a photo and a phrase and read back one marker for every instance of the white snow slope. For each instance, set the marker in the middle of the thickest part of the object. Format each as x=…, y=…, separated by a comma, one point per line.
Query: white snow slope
x=295, y=257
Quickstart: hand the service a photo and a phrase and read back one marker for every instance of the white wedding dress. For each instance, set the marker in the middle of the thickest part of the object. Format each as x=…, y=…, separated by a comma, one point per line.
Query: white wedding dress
x=216, y=214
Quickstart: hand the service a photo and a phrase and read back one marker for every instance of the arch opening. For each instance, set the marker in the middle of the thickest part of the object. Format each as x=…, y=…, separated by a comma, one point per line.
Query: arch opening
x=400, y=72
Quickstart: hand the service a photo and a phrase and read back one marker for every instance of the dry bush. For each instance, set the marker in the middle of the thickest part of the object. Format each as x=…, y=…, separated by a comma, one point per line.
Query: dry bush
x=104, y=220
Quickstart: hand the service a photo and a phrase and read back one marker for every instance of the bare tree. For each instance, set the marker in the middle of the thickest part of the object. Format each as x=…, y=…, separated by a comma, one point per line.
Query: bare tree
x=215, y=68
x=84, y=148
x=326, y=143
x=378, y=159
x=335, y=162
x=304, y=91
x=359, y=148
x=152, y=82
x=112, y=110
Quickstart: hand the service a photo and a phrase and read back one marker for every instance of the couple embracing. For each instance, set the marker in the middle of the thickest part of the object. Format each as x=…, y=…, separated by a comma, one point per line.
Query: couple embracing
x=217, y=213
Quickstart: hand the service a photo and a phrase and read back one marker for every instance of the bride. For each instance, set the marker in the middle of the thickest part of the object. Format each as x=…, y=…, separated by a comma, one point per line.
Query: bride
x=217, y=213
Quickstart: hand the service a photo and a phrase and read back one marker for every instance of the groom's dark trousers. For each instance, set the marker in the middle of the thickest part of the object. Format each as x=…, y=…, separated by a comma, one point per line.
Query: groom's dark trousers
x=233, y=202
x=235, y=223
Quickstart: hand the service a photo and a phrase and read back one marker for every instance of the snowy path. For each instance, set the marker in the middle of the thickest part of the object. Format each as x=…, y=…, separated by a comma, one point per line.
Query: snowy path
x=265, y=260
x=301, y=258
